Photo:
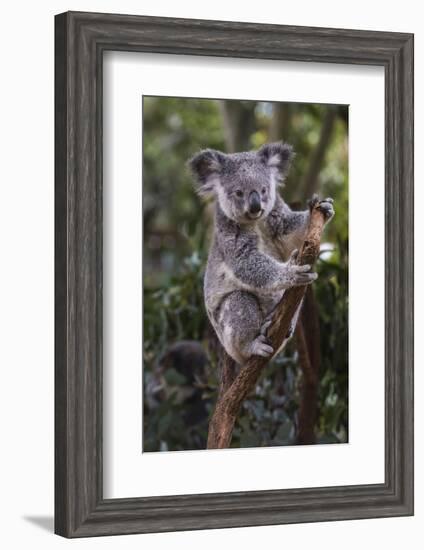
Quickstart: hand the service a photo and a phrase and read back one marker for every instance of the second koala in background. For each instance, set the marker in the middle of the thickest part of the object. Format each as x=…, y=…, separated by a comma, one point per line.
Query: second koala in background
x=256, y=237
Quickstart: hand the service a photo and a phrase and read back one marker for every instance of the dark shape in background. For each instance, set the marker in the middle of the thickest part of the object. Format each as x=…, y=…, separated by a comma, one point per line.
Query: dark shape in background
x=302, y=396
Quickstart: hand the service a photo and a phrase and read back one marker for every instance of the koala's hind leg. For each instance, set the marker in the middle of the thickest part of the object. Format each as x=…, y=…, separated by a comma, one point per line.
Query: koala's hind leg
x=268, y=320
x=239, y=321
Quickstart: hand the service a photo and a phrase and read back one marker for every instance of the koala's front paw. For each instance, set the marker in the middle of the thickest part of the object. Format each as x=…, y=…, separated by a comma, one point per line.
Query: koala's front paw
x=301, y=275
x=325, y=205
x=261, y=346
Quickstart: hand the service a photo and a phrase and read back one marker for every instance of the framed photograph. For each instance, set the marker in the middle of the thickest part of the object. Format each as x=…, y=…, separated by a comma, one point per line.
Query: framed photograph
x=233, y=274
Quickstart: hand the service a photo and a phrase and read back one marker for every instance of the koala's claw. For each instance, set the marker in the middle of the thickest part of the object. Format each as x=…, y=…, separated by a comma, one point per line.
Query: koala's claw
x=325, y=205
x=301, y=268
x=260, y=346
x=304, y=278
x=297, y=275
x=302, y=275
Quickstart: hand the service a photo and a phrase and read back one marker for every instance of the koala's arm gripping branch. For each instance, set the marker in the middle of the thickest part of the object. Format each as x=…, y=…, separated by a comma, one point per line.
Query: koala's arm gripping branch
x=229, y=402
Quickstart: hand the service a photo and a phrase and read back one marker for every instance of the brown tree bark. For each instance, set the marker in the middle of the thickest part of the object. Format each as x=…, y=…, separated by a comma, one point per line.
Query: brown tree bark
x=228, y=405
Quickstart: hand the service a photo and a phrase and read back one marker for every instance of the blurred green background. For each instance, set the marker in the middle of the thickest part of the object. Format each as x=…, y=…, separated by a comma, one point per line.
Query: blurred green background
x=180, y=374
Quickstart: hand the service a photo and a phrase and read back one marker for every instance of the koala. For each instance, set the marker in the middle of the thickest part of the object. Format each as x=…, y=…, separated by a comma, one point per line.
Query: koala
x=256, y=239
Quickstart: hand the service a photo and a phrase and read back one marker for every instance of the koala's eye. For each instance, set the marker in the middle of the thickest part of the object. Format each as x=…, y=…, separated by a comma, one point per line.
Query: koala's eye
x=263, y=190
x=239, y=193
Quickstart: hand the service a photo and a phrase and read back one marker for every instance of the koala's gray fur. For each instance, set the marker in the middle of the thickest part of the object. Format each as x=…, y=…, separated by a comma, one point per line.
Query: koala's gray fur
x=256, y=237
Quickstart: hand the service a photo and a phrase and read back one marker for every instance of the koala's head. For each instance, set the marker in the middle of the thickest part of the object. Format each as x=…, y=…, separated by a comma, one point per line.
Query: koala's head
x=244, y=183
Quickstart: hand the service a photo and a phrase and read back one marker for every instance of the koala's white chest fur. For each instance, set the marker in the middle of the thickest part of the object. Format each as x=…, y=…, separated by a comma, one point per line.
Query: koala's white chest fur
x=266, y=245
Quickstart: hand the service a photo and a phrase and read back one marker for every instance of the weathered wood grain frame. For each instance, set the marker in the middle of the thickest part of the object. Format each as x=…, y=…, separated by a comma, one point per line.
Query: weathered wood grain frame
x=80, y=40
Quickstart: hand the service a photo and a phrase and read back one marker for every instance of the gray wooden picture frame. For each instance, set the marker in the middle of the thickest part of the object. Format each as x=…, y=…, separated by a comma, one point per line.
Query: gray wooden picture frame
x=80, y=40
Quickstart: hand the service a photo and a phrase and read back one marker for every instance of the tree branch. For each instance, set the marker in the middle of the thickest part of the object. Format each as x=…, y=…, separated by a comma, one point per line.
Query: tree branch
x=228, y=405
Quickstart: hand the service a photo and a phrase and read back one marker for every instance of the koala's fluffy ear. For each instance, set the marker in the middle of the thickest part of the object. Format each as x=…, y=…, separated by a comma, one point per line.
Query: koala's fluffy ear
x=206, y=167
x=278, y=156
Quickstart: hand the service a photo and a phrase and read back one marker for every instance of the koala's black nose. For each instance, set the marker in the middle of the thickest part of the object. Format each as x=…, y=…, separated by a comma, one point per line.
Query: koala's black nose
x=254, y=202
